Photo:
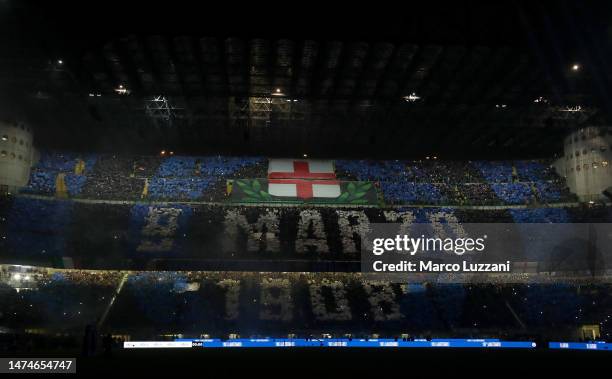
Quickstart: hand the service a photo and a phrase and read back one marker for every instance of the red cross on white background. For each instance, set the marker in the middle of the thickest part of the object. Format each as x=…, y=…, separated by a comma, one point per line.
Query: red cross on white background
x=301, y=170
x=305, y=188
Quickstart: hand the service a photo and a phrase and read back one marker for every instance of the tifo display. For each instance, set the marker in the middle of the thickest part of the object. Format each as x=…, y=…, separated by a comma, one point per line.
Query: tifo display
x=250, y=179
x=271, y=247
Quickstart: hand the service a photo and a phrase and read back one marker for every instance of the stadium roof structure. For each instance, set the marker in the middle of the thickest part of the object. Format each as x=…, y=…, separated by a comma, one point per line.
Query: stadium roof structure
x=468, y=79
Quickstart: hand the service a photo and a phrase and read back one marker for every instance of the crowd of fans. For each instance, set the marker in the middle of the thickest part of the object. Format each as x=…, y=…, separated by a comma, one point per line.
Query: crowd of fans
x=44, y=175
x=116, y=235
x=513, y=193
x=541, y=215
x=178, y=188
x=115, y=177
x=412, y=193
x=181, y=178
x=275, y=304
x=460, y=183
x=55, y=301
x=108, y=235
x=188, y=178
x=471, y=194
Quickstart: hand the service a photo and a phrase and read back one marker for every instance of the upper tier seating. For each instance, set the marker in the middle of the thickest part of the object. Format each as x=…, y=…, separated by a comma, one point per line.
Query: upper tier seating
x=181, y=178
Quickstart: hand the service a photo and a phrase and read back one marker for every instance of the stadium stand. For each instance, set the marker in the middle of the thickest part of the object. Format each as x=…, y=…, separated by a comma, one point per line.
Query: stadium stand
x=431, y=188
x=292, y=268
x=275, y=304
x=233, y=236
x=180, y=178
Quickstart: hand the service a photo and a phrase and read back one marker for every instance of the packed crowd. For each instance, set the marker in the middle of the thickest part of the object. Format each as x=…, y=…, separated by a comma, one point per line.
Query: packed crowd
x=110, y=236
x=471, y=194
x=461, y=183
x=44, y=175
x=55, y=301
x=275, y=304
x=188, y=178
x=118, y=235
x=139, y=177
x=181, y=178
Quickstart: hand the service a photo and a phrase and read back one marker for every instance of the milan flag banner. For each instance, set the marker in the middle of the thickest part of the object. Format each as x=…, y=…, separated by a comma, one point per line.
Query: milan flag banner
x=299, y=181
x=302, y=191
x=300, y=169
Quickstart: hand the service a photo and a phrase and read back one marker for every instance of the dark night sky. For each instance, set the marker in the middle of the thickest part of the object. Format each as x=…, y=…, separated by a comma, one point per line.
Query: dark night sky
x=61, y=25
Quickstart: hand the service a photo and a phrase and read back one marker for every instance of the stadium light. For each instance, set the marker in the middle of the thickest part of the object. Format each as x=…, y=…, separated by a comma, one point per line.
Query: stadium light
x=540, y=100
x=412, y=97
x=121, y=90
x=576, y=108
x=17, y=276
